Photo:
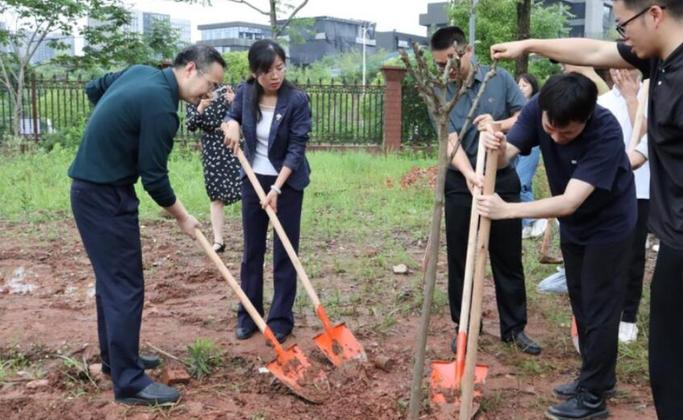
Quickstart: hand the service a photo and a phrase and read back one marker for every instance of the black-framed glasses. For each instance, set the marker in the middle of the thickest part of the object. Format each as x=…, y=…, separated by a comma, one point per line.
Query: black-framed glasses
x=621, y=27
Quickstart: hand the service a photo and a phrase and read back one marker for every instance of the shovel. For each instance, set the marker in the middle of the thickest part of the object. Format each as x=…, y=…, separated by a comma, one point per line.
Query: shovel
x=336, y=342
x=290, y=366
x=467, y=409
x=447, y=376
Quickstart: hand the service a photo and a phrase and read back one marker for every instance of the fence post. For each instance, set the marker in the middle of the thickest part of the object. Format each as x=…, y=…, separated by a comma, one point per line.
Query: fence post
x=393, y=77
x=34, y=109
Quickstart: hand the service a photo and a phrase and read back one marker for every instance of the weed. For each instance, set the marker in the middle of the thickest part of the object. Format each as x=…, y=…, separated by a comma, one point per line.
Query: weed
x=204, y=356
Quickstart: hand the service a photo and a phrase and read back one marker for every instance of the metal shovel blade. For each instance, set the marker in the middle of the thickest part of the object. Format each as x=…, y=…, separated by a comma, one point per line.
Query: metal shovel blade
x=339, y=345
x=445, y=386
x=295, y=371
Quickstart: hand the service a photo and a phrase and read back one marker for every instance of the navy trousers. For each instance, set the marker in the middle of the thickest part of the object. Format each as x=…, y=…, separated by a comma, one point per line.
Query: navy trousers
x=596, y=279
x=255, y=227
x=107, y=220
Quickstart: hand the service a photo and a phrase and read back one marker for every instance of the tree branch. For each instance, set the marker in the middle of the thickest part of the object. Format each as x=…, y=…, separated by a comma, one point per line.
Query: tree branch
x=282, y=27
x=250, y=5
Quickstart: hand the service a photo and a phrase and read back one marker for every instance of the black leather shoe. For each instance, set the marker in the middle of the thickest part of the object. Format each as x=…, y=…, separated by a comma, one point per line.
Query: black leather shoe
x=152, y=394
x=570, y=390
x=524, y=343
x=583, y=406
x=150, y=361
x=242, y=333
x=280, y=336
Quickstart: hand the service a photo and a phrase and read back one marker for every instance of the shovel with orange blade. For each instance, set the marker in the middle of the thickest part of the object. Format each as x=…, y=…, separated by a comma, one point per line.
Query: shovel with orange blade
x=290, y=366
x=336, y=341
x=446, y=377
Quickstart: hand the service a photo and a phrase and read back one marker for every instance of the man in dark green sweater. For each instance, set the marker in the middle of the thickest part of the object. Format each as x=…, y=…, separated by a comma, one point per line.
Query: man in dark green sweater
x=129, y=135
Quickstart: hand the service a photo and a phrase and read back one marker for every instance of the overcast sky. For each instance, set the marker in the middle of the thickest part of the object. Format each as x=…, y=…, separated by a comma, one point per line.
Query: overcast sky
x=402, y=15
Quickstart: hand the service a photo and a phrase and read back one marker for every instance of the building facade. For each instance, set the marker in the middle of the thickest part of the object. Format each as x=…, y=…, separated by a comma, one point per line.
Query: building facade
x=233, y=36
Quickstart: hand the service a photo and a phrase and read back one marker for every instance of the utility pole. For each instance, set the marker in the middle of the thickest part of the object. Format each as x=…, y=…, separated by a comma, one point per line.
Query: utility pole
x=364, y=28
x=473, y=21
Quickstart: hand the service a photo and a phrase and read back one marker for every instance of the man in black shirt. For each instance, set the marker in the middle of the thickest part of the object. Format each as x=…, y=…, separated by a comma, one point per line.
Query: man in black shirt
x=594, y=198
x=652, y=34
x=129, y=135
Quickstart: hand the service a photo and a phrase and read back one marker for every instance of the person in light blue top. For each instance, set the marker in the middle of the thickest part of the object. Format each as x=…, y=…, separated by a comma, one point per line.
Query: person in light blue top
x=526, y=165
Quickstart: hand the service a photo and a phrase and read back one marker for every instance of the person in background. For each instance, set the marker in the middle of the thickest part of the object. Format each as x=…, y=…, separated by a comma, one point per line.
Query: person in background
x=622, y=101
x=275, y=118
x=221, y=169
x=526, y=165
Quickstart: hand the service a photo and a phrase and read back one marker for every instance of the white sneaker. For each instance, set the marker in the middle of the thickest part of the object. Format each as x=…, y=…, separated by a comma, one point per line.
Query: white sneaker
x=526, y=232
x=538, y=227
x=628, y=332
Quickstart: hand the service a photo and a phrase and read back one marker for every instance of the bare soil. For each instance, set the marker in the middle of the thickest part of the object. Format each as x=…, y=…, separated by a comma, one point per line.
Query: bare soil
x=47, y=310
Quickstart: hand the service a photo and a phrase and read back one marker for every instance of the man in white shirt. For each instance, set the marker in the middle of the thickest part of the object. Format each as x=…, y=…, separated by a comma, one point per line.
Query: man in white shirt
x=622, y=101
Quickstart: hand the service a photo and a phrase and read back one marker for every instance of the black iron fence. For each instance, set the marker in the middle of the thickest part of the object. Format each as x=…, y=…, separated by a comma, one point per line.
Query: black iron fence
x=343, y=112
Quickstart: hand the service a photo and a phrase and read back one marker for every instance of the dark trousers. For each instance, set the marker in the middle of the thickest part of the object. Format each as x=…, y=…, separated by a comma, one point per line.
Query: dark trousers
x=107, y=220
x=505, y=251
x=636, y=269
x=596, y=280
x=666, y=333
x=255, y=226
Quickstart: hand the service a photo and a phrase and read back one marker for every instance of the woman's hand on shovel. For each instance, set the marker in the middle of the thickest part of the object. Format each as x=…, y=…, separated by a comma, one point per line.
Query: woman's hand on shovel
x=271, y=200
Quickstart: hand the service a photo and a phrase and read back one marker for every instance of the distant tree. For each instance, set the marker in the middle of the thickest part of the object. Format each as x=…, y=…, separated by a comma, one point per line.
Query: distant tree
x=31, y=22
x=497, y=21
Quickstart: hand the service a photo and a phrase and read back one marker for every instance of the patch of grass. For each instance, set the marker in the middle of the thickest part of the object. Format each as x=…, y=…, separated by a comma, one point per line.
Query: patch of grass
x=11, y=361
x=77, y=376
x=203, y=357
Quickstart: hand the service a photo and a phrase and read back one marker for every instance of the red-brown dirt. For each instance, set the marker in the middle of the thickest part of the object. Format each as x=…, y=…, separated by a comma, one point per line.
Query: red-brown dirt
x=186, y=298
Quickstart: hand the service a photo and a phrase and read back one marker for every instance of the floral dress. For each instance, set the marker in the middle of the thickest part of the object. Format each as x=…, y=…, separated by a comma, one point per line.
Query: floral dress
x=221, y=167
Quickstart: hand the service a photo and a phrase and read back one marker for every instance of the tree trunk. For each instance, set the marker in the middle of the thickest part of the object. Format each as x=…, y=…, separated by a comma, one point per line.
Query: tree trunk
x=18, y=105
x=523, y=32
x=430, y=275
x=273, y=19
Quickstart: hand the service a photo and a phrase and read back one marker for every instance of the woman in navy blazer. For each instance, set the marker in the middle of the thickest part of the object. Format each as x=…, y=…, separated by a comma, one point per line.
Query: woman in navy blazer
x=275, y=119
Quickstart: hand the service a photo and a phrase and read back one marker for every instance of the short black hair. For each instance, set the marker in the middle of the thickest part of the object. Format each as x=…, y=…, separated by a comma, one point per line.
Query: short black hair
x=675, y=7
x=568, y=98
x=444, y=38
x=201, y=54
x=532, y=80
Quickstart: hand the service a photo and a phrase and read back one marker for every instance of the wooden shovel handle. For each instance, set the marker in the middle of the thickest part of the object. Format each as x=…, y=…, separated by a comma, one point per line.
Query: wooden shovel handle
x=280, y=231
x=244, y=300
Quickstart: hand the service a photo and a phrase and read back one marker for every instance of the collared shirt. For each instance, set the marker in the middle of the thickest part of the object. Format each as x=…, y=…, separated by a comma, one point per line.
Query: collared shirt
x=501, y=98
x=130, y=132
x=597, y=157
x=665, y=142
x=615, y=102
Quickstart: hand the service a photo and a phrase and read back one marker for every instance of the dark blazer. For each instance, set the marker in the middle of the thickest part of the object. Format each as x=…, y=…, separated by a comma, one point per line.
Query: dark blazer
x=289, y=132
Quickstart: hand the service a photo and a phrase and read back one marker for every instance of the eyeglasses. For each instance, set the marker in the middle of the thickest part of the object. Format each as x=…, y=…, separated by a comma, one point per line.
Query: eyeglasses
x=212, y=85
x=621, y=27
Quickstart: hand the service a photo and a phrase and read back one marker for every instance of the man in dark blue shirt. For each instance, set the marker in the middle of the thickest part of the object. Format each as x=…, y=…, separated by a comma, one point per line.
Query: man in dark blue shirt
x=501, y=102
x=129, y=135
x=593, y=195
x=652, y=33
